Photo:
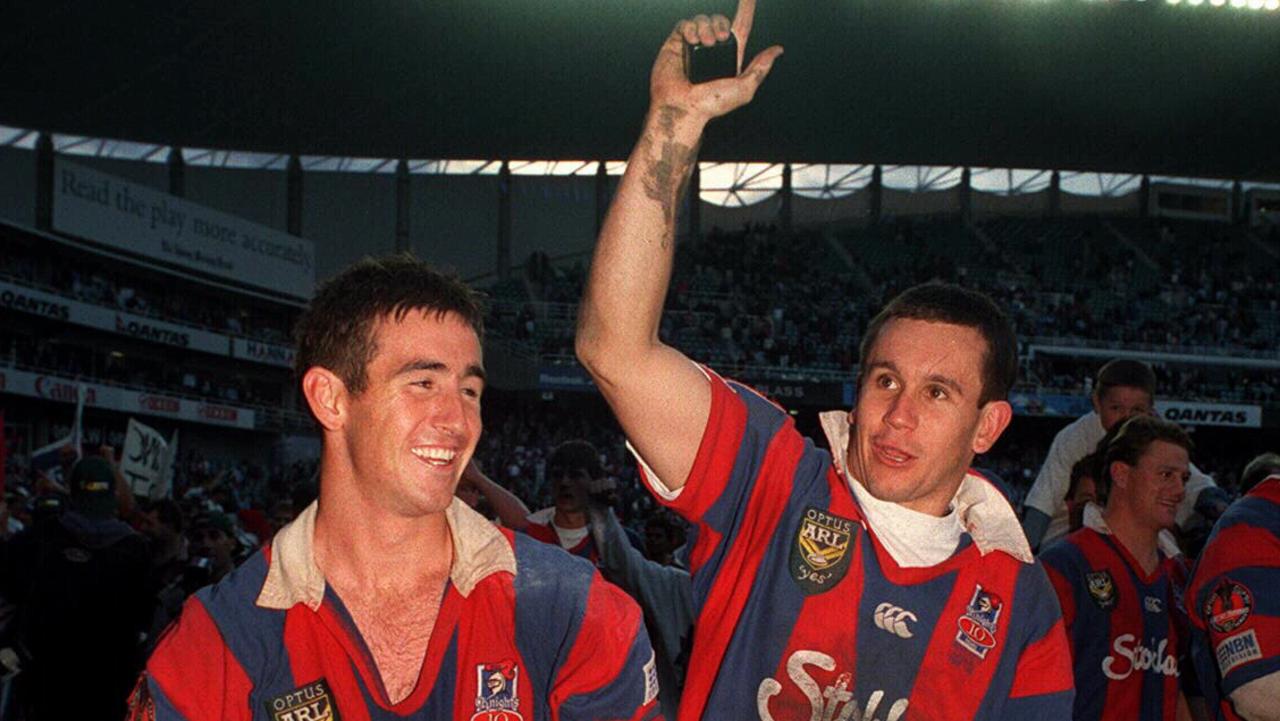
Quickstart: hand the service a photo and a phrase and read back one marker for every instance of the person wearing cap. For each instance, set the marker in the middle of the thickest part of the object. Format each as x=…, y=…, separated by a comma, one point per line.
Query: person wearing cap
x=1122, y=389
x=213, y=538
x=79, y=581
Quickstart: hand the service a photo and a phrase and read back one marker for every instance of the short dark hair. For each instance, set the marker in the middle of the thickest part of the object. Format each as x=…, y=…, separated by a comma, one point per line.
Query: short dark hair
x=336, y=330
x=1131, y=439
x=1258, y=470
x=1086, y=467
x=1125, y=372
x=949, y=303
x=573, y=454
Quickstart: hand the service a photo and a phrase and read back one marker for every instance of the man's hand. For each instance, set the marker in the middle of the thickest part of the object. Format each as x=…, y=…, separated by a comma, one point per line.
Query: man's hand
x=668, y=86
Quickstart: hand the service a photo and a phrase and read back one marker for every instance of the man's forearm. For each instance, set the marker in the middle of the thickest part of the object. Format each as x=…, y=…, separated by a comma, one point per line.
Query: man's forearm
x=511, y=511
x=632, y=267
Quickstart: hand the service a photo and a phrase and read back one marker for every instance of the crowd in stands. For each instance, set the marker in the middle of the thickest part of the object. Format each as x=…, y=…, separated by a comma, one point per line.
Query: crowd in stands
x=86, y=278
x=94, y=363
x=764, y=302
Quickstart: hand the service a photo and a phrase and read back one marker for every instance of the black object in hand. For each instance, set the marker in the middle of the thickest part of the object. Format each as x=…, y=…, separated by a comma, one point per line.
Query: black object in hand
x=711, y=62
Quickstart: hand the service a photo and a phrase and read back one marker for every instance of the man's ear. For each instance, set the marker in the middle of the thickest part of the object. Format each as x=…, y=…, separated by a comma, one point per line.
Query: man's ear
x=1119, y=474
x=326, y=395
x=993, y=418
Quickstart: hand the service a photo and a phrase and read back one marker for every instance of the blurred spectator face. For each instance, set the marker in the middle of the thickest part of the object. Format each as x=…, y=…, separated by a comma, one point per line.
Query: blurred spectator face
x=1120, y=402
x=661, y=538
x=570, y=487
x=1085, y=492
x=1155, y=486
x=917, y=423
x=468, y=492
x=410, y=433
x=281, y=514
x=214, y=544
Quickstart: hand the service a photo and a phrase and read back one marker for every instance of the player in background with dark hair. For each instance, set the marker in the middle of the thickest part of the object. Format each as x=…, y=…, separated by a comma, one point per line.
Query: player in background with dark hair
x=389, y=597
x=1122, y=389
x=1120, y=580
x=1083, y=489
x=1234, y=602
x=882, y=580
x=575, y=473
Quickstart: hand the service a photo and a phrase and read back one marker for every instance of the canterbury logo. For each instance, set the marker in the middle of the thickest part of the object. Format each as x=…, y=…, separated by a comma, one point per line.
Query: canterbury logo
x=894, y=619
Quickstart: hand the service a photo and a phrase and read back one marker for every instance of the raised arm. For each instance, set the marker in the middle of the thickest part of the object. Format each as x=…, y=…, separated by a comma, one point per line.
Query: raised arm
x=661, y=399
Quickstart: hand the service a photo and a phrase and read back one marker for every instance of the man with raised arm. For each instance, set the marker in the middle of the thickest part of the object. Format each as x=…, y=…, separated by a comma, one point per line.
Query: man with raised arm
x=389, y=597
x=883, y=580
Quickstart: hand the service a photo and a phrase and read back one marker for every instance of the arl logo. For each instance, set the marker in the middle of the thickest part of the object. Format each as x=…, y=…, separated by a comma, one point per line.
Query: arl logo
x=820, y=554
x=1102, y=589
x=497, y=696
x=834, y=702
x=313, y=702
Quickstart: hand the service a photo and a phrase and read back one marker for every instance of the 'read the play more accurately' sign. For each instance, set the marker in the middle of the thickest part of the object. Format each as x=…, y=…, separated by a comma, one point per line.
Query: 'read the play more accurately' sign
x=113, y=211
x=125, y=400
x=1210, y=414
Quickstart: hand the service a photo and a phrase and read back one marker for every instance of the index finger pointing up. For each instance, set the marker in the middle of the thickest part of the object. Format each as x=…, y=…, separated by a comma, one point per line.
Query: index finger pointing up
x=742, y=21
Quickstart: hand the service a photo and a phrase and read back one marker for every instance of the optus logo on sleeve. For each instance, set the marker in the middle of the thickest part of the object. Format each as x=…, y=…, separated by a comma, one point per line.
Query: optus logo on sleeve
x=313, y=702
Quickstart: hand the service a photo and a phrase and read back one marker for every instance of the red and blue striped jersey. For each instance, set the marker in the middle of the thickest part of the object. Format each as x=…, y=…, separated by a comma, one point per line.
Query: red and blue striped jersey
x=803, y=614
x=1234, y=598
x=525, y=632
x=1127, y=629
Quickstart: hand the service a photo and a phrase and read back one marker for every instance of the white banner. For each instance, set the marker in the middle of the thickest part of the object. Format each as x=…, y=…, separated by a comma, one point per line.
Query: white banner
x=269, y=353
x=110, y=210
x=48, y=305
x=1210, y=414
x=25, y=383
x=143, y=462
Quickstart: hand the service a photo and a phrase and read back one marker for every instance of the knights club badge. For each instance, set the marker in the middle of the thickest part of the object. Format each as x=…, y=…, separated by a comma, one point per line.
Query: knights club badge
x=820, y=553
x=497, y=692
x=979, y=624
x=1102, y=589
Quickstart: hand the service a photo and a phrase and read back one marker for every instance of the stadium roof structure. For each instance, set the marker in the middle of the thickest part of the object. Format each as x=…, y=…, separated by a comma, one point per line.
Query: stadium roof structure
x=1161, y=87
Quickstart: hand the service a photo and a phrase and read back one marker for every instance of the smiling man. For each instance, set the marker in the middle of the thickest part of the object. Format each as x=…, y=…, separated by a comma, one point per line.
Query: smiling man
x=882, y=580
x=389, y=597
x=1120, y=580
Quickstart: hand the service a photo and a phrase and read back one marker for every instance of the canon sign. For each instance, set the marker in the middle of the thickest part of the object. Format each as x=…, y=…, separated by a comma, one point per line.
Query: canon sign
x=56, y=389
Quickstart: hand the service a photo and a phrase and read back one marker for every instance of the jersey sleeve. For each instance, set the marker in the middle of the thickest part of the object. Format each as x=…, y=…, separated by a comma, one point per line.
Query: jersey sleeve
x=1232, y=601
x=1058, y=568
x=610, y=671
x=192, y=675
x=1043, y=684
x=737, y=485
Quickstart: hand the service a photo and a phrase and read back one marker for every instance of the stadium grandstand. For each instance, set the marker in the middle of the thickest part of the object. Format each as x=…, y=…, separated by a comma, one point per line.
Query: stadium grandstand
x=173, y=191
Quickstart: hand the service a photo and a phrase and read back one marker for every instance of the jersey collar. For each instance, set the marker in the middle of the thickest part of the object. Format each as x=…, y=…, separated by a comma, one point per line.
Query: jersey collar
x=1094, y=519
x=479, y=550
x=983, y=510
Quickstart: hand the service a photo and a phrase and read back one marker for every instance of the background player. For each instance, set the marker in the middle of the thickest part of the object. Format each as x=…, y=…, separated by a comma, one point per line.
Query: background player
x=1120, y=579
x=921, y=596
x=390, y=596
x=1234, y=604
x=1123, y=388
